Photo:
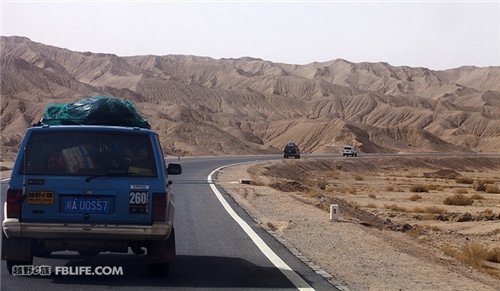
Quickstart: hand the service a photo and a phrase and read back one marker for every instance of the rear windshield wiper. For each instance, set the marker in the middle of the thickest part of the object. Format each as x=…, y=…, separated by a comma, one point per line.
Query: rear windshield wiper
x=111, y=174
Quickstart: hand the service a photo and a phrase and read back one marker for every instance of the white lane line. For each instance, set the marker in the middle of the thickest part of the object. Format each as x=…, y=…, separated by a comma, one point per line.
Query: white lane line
x=264, y=248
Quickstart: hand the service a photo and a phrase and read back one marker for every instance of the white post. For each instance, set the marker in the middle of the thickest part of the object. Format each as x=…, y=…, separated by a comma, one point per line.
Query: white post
x=334, y=212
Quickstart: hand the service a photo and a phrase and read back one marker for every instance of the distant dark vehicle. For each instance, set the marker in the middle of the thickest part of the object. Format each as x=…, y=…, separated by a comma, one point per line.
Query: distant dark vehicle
x=291, y=150
x=350, y=151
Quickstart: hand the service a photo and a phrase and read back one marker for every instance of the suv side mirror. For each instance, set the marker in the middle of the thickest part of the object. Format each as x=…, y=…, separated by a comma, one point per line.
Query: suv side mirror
x=174, y=169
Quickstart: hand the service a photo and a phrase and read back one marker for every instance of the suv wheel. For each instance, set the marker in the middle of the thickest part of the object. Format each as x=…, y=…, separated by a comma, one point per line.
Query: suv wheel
x=11, y=263
x=162, y=268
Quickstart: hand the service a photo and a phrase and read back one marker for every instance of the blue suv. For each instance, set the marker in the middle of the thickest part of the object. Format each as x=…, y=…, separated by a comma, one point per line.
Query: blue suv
x=90, y=189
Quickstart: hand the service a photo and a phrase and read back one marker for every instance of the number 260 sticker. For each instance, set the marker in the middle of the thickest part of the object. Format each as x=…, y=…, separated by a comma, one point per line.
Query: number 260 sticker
x=138, y=202
x=138, y=198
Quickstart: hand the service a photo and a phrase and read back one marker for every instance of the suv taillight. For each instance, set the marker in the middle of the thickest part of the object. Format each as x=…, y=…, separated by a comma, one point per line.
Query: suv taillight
x=159, y=206
x=13, y=203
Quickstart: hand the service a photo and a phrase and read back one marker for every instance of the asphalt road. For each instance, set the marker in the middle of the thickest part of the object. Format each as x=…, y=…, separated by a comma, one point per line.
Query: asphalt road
x=218, y=247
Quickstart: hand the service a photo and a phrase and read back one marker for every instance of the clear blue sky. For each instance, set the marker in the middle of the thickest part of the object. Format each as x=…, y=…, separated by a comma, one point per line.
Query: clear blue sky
x=436, y=35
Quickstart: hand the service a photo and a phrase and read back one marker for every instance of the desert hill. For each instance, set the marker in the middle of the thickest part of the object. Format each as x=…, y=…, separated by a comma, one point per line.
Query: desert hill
x=204, y=106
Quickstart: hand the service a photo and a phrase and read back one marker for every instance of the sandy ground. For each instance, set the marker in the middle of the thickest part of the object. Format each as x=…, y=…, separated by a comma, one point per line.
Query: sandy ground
x=371, y=248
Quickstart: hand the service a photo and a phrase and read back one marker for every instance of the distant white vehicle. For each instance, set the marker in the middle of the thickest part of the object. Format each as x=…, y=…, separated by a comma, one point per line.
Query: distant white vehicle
x=350, y=151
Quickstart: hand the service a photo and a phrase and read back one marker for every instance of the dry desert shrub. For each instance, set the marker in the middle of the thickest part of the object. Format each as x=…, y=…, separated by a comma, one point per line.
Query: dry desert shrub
x=419, y=188
x=395, y=207
x=335, y=174
x=430, y=209
x=355, y=204
x=461, y=191
x=399, y=189
x=414, y=197
x=341, y=189
x=465, y=180
x=428, y=216
x=434, y=187
x=476, y=196
x=458, y=200
x=481, y=185
x=488, y=211
x=372, y=195
x=491, y=188
x=358, y=177
x=371, y=205
x=494, y=255
x=271, y=226
x=475, y=255
x=312, y=193
x=489, y=215
x=411, y=175
x=322, y=184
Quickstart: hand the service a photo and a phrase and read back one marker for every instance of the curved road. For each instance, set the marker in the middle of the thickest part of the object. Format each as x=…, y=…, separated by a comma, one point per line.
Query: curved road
x=218, y=247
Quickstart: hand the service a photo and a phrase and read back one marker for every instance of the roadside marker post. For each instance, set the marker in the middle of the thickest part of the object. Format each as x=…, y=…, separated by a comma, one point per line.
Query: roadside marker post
x=334, y=212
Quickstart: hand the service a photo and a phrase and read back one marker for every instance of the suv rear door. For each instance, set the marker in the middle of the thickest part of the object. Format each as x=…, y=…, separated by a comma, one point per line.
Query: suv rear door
x=90, y=176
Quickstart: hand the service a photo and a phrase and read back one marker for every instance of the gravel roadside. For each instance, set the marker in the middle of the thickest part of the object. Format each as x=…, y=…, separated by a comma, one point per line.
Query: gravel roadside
x=353, y=255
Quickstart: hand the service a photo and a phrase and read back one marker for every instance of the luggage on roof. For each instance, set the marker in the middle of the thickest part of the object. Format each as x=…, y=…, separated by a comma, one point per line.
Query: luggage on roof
x=97, y=110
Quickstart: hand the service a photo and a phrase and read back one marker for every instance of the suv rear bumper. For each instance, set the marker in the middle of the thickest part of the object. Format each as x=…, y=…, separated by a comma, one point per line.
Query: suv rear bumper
x=13, y=228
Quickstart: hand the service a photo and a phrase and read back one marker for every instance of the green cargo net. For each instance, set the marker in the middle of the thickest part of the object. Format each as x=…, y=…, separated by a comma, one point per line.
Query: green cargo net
x=97, y=110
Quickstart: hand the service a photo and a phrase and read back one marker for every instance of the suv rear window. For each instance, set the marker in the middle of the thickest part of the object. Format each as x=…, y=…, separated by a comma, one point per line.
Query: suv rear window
x=88, y=153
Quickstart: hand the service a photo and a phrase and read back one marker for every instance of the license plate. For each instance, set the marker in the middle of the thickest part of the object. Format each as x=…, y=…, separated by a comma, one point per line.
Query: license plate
x=40, y=197
x=86, y=205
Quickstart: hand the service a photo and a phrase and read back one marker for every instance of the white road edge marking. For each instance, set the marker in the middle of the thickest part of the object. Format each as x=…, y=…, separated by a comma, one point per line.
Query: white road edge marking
x=264, y=248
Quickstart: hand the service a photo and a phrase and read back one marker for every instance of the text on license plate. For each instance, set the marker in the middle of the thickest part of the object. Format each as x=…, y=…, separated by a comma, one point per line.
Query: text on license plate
x=91, y=205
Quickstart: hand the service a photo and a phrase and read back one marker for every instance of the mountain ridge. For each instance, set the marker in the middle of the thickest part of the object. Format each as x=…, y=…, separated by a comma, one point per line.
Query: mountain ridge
x=204, y=106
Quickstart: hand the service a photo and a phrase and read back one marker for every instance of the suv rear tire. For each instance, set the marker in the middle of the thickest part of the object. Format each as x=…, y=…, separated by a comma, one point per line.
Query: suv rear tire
x=11, y=263
x=162, y=268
